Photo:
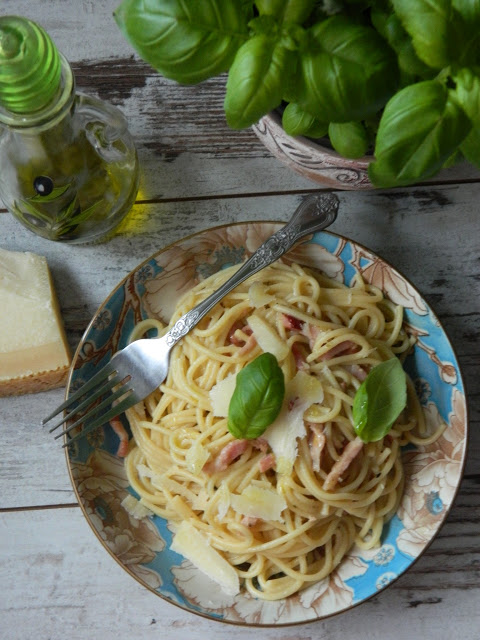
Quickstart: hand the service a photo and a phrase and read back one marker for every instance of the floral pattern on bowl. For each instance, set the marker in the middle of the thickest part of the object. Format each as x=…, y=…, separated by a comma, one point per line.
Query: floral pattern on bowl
x=433, y=473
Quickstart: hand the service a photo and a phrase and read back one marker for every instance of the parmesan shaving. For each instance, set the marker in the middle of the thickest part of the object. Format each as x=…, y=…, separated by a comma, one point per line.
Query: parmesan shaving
x=268, y=338
x=257, y=502
x=194, y=546
x=221, y=394
x=135, y=508
x=300, y=393
x=258, y=296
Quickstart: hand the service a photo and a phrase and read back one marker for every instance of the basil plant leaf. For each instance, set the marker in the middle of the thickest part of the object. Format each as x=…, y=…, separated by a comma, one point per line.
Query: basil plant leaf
x=348, y=71
x=379, y=400
x=348, y=138
x=297, y=122
x=257, y=399
x=435, y=28
x=255, y=80
x=468, y=93
x=286, y=10
x=185, y=41
x=421, y=127
x=390, y=27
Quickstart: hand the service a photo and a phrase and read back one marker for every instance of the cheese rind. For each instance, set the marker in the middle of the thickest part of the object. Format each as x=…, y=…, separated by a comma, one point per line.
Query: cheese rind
x=34, y=354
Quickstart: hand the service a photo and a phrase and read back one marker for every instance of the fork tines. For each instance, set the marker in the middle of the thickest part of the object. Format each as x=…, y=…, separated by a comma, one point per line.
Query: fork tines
x=99, y=413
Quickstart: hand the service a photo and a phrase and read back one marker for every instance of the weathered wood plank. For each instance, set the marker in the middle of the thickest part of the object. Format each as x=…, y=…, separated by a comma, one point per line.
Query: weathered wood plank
x=59, y=582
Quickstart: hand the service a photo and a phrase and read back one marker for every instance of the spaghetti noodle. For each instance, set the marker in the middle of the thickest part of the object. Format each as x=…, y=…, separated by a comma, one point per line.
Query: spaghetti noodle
x=335, y=491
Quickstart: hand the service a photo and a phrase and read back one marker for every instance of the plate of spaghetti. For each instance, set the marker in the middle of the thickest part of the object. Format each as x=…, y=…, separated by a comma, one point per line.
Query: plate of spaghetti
x=307, y=515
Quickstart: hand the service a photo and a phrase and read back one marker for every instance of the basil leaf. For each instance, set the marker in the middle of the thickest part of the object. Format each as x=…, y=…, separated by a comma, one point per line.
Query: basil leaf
x=286, y=10
x=257, y=399
x=297, y=122
x=185, y=41
x=379, y=400
x=348, y=71
x=467, y=90
x=421, y=127
x=390, y=27
x=348, y=138
x=255, y=81
x=468, y=93
x=433, y=27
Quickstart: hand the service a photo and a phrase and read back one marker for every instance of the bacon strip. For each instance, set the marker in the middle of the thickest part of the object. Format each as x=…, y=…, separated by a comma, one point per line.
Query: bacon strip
x=347, y=346
x=290, y=322
x=226, y=456
x=350, y=452
x=249, y=521
x=266, y=462
x=119, y=429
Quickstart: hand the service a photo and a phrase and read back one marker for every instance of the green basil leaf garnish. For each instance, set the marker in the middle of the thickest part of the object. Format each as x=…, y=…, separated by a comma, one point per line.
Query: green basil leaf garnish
x=257, y=399
x=379, y=400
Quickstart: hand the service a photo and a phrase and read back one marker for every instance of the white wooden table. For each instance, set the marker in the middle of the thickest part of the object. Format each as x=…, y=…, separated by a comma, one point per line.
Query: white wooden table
x=56, y=580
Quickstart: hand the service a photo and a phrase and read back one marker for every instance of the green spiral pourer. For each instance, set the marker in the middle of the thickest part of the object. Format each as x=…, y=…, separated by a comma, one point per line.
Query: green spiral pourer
x=30, y=66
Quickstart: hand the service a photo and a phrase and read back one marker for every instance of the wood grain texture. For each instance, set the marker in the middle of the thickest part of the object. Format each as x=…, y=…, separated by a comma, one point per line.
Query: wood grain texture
x=56, y=579
x=63, y=584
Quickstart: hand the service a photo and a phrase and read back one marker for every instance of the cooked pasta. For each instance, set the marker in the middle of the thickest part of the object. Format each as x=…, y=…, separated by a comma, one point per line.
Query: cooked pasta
x=282, y=520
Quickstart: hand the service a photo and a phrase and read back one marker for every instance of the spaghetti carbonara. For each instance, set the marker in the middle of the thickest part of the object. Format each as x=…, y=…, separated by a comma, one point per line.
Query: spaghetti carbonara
x=282, y=509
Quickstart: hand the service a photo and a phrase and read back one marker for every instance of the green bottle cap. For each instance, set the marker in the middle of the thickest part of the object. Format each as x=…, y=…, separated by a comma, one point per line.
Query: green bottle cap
x=30, y=66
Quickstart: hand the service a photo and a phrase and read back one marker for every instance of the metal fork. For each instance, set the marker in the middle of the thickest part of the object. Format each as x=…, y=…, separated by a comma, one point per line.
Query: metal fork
x=138, y=369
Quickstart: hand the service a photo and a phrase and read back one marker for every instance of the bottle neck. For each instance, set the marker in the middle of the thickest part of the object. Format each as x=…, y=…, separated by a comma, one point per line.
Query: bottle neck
x=52, y=112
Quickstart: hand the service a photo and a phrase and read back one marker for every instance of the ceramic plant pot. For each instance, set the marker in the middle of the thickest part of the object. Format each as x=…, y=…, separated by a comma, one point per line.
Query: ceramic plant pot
x=310, y=158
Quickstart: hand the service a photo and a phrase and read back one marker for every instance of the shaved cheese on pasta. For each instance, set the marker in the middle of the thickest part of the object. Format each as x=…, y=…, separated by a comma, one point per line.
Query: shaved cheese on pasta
x=258, y=295
x=257, y=502
x=268, y=338
x=300, y=393
x=196, y=457
x=221, y=394
x=135, y=508
x=193, y=546
x=224, y=501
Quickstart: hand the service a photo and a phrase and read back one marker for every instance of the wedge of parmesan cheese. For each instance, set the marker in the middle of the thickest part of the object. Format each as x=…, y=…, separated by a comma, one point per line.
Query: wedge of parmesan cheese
x=34, y=353
x=258, y=502
x=300, y=393
x=194, y=546
x=267, y=337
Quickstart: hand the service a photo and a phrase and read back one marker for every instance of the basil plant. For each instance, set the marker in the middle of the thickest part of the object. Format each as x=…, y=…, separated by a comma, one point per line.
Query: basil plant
x=397, y=78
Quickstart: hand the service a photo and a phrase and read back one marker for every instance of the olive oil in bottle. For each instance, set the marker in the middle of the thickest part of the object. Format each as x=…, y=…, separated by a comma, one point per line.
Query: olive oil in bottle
x=68, y=165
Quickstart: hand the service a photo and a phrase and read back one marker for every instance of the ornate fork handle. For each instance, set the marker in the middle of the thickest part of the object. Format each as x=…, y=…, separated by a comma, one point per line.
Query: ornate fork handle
x=314, y=214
